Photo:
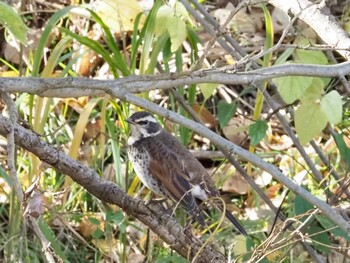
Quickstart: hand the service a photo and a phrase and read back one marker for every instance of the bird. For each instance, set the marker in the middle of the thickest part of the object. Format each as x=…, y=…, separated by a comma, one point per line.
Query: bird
x=168, y=168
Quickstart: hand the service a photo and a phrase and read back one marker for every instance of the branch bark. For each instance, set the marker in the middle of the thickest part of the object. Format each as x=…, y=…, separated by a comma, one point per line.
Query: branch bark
x=77, y=87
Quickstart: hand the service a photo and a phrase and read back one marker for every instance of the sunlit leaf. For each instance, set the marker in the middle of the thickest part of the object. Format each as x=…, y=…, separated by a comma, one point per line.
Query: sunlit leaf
x=119, y=15
x=314, y=91
x=181, y=11
x=308, y=56
x=292, y=88
x=13, y=22
x=331, y=103
x=207, y=89
x=310, y=120
x=163, y=16
x=177, y=31
x=311, y=57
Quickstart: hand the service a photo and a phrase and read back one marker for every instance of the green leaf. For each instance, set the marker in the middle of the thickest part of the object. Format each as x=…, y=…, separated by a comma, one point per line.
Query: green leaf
x=110, y=41
x=301, y=206
x=331, y=104
x=163, y=16
x=310, y=57
x=45, y=36
x=225, y=112
x=50, y=236
x=181, y=11
x=321, y=238
x=207, y=89
x=310, y=120
x=314, y=91
x=343, y=149
x=284, y=56
x=13, y=22
x=94, y=221
x=257, y=131
x=292, y=88
x=329, y=224
x=159, y=45
x=115, y=217
x=98, y=233
x=177, y=31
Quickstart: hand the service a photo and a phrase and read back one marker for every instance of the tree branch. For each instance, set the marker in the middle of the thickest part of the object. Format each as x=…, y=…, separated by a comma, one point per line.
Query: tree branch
x=77, y=87
x=153, y=215
x=229, y=147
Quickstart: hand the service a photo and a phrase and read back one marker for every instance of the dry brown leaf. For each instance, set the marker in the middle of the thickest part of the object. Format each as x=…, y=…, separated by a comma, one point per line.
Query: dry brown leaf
x=35, y=206
x=108, y=247
x=276, y=142
x=237, y=129
x=236, y=184
x=273, y=190
x=89, y=60
x=11, y=50
x=109, y=173
x=92, y=129
x=205, y=115
x=136, y=258
x=233, y=182
x=280, y=20
x=87, y=228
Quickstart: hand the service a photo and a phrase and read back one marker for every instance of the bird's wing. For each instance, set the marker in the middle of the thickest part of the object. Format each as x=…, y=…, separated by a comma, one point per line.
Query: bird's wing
x=167, y=169
x=174, y=185
x=193, y=171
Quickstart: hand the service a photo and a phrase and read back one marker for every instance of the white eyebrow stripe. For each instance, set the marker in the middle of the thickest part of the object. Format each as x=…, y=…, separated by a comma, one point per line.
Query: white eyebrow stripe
x=147, y=118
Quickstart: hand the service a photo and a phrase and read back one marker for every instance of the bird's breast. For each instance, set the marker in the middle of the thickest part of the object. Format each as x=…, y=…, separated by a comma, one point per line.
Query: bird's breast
x=140, y=160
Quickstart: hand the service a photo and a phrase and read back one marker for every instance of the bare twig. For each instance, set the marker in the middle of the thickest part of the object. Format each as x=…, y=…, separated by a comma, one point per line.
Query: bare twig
x=11, y=152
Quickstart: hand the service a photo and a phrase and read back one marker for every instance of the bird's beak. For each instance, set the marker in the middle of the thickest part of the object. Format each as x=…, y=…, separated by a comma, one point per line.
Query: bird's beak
x=128, y=120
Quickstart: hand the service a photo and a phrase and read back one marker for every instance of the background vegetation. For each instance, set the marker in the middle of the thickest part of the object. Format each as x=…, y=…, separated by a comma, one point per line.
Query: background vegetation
x=268, y=92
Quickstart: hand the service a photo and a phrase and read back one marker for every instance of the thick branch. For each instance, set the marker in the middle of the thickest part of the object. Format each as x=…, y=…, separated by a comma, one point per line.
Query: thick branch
x=77, y=87
x=153, y=215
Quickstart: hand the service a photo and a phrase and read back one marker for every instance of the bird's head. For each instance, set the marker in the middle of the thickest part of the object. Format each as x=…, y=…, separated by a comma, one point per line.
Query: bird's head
x=142, y=125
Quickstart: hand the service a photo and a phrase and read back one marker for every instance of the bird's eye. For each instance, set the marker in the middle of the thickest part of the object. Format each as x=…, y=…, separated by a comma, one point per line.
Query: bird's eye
x=143, y=122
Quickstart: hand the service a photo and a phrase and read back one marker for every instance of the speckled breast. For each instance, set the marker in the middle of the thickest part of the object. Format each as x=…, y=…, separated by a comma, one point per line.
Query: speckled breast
x=140, y=160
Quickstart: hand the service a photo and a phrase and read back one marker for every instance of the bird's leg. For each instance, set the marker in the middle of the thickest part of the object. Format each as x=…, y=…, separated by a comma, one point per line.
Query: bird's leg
x=158, y=200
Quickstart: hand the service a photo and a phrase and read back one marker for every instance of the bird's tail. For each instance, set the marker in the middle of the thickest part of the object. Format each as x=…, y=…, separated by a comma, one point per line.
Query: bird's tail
x=235, y=222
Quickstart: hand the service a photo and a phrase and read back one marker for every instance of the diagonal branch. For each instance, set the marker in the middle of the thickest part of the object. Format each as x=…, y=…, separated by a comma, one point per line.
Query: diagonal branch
x=152, y=215
x=231, y=148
